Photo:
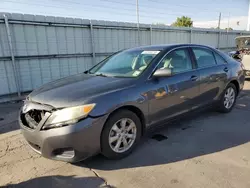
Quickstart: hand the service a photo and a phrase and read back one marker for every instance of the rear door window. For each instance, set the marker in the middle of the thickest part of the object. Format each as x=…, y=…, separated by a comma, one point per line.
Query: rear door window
x=204, y=57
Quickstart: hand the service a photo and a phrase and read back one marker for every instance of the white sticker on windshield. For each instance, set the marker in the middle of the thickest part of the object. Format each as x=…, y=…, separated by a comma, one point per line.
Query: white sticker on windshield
x=150, y=52
x=136, y=73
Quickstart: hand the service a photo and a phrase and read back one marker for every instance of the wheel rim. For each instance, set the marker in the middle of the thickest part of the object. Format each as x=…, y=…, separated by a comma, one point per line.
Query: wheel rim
x=122, y=135
x=229, y=98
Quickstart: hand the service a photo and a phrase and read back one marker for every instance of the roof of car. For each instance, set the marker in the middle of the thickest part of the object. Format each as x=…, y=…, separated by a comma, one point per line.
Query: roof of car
x=166, y=46
x=244, y=36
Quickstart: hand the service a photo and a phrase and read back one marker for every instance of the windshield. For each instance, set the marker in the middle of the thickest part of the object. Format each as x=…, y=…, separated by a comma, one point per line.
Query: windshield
x=125, y=64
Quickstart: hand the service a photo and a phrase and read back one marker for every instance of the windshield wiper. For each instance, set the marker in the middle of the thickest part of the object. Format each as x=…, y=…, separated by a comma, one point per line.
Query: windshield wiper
x=101, y=74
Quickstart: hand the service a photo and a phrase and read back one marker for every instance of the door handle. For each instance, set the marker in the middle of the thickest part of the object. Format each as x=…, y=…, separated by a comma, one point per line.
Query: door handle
x=226, y=69
x=194, y=78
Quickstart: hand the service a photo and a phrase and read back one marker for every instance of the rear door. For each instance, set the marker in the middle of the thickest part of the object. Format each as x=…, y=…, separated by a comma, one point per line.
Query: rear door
x=213, y=71
x=174, y=95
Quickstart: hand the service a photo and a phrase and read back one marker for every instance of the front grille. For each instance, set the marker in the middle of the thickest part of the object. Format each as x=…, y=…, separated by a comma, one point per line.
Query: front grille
x=33, y=113
x=30, y=121
x=32, y=118
x=36, y=115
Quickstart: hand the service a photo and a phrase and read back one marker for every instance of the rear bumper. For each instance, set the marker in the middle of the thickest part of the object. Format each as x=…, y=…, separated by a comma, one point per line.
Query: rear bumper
x=71, y=143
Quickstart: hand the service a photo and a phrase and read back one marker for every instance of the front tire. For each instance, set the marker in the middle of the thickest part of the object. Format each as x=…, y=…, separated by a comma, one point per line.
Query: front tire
x=121, y=134
x=228, y=99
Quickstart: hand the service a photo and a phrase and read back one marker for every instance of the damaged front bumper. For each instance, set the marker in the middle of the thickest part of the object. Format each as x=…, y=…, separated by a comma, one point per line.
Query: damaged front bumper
x=70, y=143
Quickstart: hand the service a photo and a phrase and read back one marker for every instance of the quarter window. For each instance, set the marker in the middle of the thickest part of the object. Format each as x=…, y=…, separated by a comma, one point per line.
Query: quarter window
x=204, y=57
x=219, y=59
x=178, y=60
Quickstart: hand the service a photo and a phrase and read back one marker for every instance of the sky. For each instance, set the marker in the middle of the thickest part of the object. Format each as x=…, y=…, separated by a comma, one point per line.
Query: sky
x=204, y=13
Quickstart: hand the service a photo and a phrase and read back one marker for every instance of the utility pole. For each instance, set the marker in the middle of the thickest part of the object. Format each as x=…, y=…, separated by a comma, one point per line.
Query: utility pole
x=228, y=22
x=138, y=21
x=219, y=20
x=248, y=21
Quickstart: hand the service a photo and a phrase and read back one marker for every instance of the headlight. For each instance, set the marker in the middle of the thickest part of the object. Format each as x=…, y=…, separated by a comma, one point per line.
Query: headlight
x=68, y=116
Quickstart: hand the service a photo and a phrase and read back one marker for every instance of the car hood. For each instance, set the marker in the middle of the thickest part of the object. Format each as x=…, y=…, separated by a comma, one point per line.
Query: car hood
x=74, y=90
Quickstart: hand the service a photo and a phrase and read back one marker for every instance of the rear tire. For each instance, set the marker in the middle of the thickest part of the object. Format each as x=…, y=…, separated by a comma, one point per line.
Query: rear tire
x=121, y=134
x=228, y=99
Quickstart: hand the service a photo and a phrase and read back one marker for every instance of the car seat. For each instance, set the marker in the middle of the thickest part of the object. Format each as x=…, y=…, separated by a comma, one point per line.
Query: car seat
x=145, y=61
x=178, y=64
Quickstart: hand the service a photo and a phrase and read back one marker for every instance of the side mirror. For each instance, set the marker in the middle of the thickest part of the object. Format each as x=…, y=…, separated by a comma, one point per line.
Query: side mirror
x=163, y=72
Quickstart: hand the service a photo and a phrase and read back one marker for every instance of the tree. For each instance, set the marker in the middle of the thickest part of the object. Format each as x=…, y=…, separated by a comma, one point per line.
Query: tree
x=183, y=21
x=229, y=29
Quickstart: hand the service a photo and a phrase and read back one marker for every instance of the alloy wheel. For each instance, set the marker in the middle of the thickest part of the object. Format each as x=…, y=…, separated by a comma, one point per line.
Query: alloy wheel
x=122, y=135
x=229, y=98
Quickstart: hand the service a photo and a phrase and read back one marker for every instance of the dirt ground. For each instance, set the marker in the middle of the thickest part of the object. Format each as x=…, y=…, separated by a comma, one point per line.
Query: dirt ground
x=206, y=149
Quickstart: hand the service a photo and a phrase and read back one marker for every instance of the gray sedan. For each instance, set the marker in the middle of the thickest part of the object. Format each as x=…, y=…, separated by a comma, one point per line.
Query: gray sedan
x=108, y=108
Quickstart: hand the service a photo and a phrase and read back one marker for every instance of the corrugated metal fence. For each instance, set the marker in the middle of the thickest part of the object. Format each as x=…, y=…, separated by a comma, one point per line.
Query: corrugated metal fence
x=38, y=49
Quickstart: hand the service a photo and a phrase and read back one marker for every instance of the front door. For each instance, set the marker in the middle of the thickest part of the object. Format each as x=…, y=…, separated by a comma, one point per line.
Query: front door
x=176, y=94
